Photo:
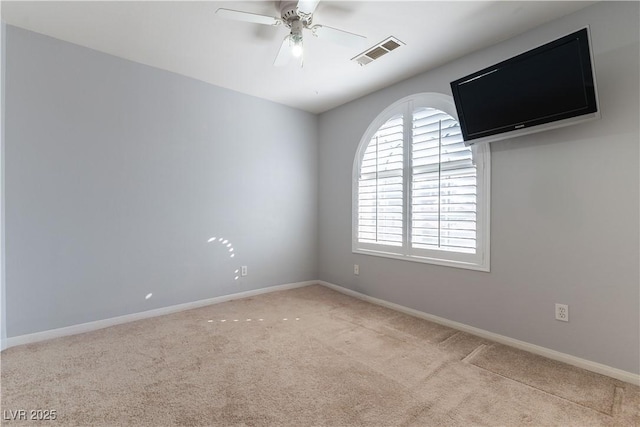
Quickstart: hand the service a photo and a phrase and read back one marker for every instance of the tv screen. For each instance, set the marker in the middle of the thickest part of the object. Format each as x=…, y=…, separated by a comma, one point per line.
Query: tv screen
x=548, y=84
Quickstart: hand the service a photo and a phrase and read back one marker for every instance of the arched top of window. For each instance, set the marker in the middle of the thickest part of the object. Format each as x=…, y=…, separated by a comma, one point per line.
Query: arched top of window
x=418, y=192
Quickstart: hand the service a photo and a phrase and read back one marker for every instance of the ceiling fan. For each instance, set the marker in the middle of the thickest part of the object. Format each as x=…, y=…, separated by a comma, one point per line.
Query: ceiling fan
x=296, y=16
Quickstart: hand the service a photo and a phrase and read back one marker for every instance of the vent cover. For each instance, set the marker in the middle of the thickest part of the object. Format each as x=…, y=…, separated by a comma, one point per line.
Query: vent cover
x=375, y=52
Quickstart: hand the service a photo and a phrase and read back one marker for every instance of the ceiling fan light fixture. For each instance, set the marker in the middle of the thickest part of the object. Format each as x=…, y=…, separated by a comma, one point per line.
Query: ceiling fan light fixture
x=296, y=45
x=295, y=38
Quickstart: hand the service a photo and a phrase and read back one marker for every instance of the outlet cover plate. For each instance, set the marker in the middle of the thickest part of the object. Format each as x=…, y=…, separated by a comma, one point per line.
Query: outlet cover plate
x=562, y=312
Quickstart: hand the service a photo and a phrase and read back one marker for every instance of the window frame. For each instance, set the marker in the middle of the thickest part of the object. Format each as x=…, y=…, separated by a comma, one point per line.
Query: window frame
x=479, y=261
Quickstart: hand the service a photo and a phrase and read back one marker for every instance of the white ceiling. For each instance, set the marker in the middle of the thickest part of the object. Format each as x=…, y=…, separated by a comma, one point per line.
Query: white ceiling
x=189, y=39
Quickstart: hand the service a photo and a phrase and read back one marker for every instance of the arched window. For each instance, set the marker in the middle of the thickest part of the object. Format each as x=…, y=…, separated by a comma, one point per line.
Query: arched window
x=419, y=193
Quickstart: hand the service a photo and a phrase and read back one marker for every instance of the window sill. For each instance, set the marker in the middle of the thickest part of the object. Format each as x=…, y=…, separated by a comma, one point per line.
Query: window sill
x=484, y=266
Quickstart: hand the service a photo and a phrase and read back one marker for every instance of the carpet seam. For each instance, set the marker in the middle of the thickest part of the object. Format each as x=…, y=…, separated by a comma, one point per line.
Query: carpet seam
x=406, y=337
x=384, y=374
x=442, y=343
x=473, y=354
x=373, y=368
x=618, y=397
x=542, y=391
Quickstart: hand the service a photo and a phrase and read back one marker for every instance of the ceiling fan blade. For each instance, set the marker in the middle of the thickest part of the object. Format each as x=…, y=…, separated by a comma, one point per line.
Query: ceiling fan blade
x=248, y=17
x=307, y=7
x=284, y=54
x=341, y=37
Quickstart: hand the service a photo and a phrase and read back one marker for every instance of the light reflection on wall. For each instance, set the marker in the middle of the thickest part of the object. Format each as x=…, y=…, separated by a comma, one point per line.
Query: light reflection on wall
x=229, y=247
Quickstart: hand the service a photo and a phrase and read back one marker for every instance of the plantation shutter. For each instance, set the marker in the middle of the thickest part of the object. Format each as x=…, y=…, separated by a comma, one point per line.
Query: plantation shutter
x=443, y=187
x=380, y=186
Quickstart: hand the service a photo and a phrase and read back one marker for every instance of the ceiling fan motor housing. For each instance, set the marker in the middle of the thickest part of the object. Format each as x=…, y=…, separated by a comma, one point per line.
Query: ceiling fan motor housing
x=289, y=14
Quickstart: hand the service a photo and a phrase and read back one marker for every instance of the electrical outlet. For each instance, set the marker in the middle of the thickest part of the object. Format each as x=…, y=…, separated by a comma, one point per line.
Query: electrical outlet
x=356, y=269
x=562, y=312
x=243, y=271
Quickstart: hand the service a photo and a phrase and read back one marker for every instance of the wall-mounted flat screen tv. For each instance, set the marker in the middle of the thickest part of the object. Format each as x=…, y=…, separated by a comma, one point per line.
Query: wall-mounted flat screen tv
x=550, y=86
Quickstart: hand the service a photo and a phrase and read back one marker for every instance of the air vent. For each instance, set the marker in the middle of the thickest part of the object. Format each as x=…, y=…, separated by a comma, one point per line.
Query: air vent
x=375, y=52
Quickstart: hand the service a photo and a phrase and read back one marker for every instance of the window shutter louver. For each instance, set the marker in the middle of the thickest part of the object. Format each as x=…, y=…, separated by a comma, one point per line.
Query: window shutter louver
x=380, y=186
x=443, y=188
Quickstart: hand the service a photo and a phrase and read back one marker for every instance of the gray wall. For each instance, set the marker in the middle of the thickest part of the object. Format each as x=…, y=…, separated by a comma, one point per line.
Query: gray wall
x=118, y=173
x=564, y=222
x=3, y=299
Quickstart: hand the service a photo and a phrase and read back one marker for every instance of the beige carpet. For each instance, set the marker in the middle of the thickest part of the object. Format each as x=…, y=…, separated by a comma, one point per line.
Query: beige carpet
x=303, y=357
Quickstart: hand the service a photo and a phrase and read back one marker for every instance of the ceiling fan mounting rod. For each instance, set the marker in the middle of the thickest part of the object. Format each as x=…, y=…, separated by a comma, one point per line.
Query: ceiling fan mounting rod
x=296, y=28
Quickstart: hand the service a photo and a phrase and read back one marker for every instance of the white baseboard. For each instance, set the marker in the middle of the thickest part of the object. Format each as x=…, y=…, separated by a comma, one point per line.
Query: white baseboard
x=532, y=348
x=599, y=368
x=105, y=323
